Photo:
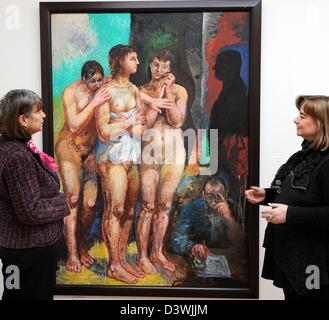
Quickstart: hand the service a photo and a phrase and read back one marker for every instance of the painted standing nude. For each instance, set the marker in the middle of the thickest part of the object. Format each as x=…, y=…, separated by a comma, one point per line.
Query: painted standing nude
x=160, y=176
x=73, y=149
x=120, y=124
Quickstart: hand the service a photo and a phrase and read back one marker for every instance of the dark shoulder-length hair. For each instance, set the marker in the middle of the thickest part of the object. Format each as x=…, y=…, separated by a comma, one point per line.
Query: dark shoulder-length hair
x=12, y=105
x=116, y=54
x=90, y=68
x=317, y=106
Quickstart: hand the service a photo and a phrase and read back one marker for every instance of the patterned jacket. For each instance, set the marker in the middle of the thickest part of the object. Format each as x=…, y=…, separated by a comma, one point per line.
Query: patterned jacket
x=31, y=207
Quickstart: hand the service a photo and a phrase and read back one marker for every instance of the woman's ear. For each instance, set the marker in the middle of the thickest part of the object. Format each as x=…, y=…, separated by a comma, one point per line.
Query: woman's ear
x=22, y=121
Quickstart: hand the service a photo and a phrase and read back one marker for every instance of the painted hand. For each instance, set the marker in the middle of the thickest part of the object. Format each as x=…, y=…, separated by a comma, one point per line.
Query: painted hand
x=200, y=251
x=223, y=209
x=139, y=118
x=170, y=79
x=101, y=96
x=158, y=104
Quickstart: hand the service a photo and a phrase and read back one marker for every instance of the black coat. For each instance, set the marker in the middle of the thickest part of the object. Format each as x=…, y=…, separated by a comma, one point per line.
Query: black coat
x=304, y=239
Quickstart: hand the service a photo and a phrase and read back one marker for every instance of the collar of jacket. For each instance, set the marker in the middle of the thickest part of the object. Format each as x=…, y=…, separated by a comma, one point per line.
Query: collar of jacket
x=21, y=142
x=300, y=168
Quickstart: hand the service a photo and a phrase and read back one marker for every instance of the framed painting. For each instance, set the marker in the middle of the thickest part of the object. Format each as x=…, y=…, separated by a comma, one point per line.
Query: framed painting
x=153, y=118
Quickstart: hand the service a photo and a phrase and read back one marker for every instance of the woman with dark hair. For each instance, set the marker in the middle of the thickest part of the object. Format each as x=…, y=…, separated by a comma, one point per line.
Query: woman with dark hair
x=74, y=151
x=296, y=237
x=32, y=208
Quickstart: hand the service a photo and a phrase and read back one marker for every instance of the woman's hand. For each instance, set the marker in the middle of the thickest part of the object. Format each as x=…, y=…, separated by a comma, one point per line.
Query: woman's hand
x=277, y=214
x=255, y=194
x=159, y=104
x=169, y=79
x=138, y=118
x=101, y=96
x=160, y=89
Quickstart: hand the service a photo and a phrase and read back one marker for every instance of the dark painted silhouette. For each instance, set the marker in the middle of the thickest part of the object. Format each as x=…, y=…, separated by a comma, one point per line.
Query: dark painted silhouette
x=230, y=116
x=229, y=113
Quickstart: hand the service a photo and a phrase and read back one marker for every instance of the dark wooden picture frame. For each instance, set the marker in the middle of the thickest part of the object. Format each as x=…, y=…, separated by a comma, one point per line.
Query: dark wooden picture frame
x=251, y=8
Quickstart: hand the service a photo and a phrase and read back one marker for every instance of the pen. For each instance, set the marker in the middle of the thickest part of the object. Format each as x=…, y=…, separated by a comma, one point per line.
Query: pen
x=206, y=250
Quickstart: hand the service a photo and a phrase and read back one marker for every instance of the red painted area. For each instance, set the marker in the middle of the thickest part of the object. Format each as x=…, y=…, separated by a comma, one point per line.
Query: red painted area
x=226, y=36
x=237, y=153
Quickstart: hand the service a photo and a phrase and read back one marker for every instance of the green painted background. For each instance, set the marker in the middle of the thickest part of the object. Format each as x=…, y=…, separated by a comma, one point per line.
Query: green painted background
x=110, y=29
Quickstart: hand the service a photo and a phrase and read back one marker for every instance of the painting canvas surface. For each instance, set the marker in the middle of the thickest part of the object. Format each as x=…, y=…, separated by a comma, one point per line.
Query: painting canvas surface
x=211, y=62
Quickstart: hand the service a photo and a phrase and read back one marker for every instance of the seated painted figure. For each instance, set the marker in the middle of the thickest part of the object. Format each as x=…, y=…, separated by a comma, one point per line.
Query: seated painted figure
x=207, y=222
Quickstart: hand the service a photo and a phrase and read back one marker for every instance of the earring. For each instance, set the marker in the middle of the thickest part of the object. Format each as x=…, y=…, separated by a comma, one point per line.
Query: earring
x=24, y=125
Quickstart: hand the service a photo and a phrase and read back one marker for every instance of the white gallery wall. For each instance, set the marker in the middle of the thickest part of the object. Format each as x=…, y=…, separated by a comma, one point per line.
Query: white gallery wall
x=295, y=60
